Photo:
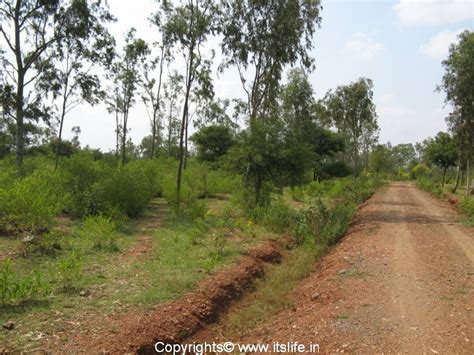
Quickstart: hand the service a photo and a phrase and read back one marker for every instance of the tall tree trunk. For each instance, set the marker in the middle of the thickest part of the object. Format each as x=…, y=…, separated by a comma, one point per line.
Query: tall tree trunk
x=124, y=137
x=153, y=135
x=189, y=80
x=458, y=174
x=20, y=128
x=117, y=136
x=468, y=174
x=156, y=109
x=444, y=176
x=61, y=122
x=186, y=143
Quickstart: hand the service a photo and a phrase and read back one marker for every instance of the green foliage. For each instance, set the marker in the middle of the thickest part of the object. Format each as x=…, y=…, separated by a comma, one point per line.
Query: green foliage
x=277, y=215
x=49, y=244
x=14, y=289
x=101, y=231
x=442, y=151
x=68, y=271
x=421, y=171
x=212, y=142
x=29, y=204
x=429, y=186
x=95, y=187
x=466, y=206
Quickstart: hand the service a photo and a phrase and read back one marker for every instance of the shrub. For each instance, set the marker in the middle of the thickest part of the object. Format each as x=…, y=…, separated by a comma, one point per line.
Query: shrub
x=95, y=187
x=421, y=171
x=278, y=216
x=29, y=204
x=427, y=185
x=44, y=244
x=466, y=206
x=127, y=189
x=101, y=231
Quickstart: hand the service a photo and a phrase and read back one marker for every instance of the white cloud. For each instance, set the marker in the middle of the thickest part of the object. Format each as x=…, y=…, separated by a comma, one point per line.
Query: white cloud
x=401, y=124
x=438, y=45
x=362, y=46
x=434, y=12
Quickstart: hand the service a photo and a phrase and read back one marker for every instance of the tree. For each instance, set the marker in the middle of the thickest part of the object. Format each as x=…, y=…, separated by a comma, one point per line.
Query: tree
x=74, y=57
x=171, y=101
x=442, y=151
x=188, y=26
x=381, y=160
x=152, y=84
x=303, y=128
x=261, y=38
x=213, y=142
x=457, y=84
x=352, y=112
x=126, y=78
x=30, y=28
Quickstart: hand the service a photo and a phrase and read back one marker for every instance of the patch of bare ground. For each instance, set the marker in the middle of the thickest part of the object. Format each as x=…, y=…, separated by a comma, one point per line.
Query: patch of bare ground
x=401, y=281
x=146, y=226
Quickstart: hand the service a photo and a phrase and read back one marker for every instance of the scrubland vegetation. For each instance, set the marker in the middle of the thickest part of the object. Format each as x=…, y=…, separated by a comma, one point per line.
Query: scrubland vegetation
x=83, y=230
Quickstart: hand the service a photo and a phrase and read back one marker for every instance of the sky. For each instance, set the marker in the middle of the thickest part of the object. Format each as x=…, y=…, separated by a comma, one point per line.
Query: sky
x=399, y=44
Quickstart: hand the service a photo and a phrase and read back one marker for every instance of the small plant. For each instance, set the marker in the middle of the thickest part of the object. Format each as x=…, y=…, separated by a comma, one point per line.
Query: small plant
x=14, y=290
x=101, y=231
x=69, y=271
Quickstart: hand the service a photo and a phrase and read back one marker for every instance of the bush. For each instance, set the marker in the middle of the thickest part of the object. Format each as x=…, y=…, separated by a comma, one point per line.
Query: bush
x=329, y=215
x=30, y=204
x=14, y=290
x=101, y=231
x=95, y=187
x=421, y=171
x=128, y=190
x=427, y=185
x=278, y=216
x=45, y=244
x=466, y=206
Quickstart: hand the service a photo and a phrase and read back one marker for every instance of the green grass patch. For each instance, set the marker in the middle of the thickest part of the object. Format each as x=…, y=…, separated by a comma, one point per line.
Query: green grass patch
x=271, y=292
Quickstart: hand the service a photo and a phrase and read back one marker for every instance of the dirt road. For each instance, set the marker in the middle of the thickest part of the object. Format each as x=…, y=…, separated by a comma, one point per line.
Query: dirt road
x=400, y=282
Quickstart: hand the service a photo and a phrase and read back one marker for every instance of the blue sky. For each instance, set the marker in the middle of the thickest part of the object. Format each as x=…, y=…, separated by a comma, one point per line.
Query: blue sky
x=399, y=44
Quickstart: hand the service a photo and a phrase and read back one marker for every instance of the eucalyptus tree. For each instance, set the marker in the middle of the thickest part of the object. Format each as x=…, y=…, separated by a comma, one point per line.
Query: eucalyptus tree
x=152, y=72
x=172, y=90
x=260, y=39
x=458, y=85
x=125, y=75
x=352, y=111
x=189, y=25
x=76, y=58
x=30, y=28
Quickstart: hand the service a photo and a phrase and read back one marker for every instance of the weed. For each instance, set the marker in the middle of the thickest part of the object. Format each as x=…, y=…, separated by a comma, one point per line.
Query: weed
x=101, y=232
x=13, y=289
x=68, y=271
